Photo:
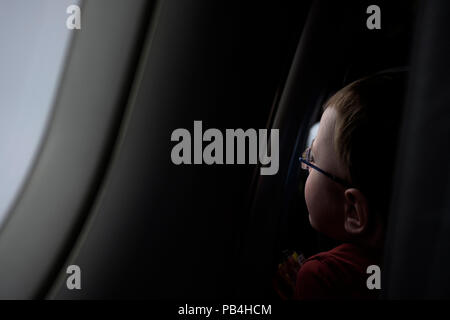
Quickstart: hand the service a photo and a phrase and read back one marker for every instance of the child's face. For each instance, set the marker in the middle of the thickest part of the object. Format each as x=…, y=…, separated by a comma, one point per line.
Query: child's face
x=324, y=197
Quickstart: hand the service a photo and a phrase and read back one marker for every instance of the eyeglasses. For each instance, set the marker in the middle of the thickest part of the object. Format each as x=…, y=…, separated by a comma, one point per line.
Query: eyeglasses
x=306, y=160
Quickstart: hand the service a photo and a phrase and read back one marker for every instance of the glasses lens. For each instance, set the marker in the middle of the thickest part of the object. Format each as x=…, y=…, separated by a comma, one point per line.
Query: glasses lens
x=305, y=156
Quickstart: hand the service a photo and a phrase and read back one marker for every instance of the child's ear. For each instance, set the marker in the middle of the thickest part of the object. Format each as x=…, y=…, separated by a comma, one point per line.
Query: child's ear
x=356, y=215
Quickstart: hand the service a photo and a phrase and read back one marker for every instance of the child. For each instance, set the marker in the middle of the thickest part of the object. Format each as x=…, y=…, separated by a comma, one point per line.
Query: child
x=348, y=189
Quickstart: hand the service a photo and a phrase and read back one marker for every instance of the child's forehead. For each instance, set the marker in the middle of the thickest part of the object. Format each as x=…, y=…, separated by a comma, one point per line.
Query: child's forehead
x=325, y=133
x=328, y=116
x=323, y=147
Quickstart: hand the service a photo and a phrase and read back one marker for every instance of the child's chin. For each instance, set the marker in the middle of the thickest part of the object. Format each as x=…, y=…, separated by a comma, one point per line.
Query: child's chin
x=311, y=222
x=319, y=228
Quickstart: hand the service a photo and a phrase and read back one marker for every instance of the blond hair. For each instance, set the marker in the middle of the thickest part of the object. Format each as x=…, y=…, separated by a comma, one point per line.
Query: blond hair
x=367, y=125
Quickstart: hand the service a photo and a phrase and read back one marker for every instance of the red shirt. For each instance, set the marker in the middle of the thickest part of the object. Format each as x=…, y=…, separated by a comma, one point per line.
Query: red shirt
x=337, y=274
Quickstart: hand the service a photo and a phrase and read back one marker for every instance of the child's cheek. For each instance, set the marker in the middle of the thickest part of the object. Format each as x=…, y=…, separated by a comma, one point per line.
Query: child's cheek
x=311, y=197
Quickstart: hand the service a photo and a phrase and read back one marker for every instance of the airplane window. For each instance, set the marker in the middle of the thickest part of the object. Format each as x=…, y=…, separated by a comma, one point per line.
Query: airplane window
x=34, y=40
x=313, y=133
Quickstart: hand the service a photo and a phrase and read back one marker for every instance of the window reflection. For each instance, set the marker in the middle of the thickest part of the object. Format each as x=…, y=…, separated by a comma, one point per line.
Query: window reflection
x=34, y=40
